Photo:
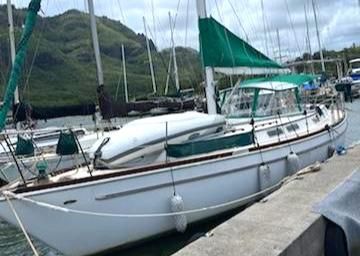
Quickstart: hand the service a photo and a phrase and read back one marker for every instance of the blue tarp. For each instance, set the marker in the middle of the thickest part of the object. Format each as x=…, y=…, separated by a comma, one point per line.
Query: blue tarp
x=309, y=86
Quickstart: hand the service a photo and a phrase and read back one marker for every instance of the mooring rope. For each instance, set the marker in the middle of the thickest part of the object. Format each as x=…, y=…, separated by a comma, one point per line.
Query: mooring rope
x=21, y=225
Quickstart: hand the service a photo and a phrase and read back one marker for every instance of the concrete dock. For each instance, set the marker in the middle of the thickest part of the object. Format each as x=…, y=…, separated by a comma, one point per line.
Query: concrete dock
x=282, y=223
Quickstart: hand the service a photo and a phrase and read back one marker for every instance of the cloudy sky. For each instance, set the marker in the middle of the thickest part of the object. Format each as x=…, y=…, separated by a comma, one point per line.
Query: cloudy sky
x=339, y=20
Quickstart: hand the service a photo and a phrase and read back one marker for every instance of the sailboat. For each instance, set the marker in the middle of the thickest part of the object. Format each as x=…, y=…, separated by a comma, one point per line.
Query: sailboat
x=202, y=164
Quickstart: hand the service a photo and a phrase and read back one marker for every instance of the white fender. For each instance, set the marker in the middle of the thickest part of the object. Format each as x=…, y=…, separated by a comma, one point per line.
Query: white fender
x=177, y=205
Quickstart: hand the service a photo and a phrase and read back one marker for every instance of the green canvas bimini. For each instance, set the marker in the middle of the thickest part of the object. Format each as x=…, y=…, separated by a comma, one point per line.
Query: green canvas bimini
x=293, y=79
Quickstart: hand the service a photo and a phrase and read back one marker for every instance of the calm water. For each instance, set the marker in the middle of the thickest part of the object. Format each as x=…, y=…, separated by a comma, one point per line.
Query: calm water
x=12, y=242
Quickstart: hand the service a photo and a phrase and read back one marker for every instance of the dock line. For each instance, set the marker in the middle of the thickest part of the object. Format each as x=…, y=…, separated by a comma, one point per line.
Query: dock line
x=21, y=225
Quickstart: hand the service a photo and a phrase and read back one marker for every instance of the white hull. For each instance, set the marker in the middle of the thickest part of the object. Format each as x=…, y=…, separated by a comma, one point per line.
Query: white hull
x=202, y=184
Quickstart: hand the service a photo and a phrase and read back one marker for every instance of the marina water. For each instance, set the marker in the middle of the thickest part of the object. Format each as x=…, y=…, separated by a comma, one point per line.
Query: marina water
x=12, y=241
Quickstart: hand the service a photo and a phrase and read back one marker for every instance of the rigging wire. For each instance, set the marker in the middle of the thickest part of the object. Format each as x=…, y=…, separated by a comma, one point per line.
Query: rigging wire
x=3, y=77
x=292, y=26
x=218, y=11
x=121, y=12
x=265, y=31
x=249, y=17
x=42, y=28
x=238, y=20
x=187, y=22
x=154, y=23
x=192, y=74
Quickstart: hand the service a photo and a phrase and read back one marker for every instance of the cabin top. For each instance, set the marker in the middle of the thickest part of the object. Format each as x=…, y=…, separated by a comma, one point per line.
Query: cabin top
x=354, y=60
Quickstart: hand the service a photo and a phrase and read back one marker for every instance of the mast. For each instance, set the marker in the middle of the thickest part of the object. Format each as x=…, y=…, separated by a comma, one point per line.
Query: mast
x=318, y=38
x=100, y=74
x=308, y=40
x=168, y=75
x=209, y=73
x=124, y=70
x=176, y=74
x=150, y=59
x=12, y=44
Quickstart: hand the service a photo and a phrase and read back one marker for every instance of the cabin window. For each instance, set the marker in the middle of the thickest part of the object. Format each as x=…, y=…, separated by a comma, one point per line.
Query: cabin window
x=259, y=102
x=275, y=132
x=355, y=64
x=239, y=103
x=283, y=102
x=292, y=127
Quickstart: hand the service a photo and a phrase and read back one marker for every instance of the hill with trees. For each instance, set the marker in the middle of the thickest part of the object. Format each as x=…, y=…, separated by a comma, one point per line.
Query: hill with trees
x=60, y=65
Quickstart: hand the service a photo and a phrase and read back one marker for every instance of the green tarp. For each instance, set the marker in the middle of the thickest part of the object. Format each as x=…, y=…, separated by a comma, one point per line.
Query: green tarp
x=210, y=145
x=221, y=48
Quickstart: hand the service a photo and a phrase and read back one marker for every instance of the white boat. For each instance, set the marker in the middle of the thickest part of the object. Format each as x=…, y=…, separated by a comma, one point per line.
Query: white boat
x=82, y=212
x=135, y=203
x=110, y=202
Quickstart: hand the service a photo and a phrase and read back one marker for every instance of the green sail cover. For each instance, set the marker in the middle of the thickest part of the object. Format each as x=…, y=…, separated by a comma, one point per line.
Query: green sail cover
x=220, y=47
x=30, y=21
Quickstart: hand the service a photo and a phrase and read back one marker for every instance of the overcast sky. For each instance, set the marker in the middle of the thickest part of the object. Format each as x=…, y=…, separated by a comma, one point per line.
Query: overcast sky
x=339, y=20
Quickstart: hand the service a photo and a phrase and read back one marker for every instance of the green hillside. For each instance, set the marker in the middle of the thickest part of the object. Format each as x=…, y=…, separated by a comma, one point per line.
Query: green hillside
x=60, y=65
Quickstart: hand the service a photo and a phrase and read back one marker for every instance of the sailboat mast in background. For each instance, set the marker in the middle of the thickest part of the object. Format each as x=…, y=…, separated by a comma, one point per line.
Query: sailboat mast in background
x=124, y=71
x=308, y=41
x=168, y=75
x=150, y=58
x=176, y=74
x=100, y=74
x=12, y=46
x=318, y=38
x=209, y=73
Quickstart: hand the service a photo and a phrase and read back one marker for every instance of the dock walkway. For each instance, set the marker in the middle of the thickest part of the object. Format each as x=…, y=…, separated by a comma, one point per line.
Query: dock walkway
x=283, y=223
